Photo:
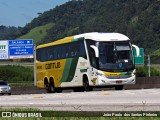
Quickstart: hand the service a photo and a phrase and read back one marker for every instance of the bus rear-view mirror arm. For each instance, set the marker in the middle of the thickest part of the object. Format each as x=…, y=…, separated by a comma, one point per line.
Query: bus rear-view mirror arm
x=95, y=50
x=137, y=49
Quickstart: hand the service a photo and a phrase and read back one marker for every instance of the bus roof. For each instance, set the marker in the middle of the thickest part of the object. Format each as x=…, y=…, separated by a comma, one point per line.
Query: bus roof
x=93, y=36
x=103, y=36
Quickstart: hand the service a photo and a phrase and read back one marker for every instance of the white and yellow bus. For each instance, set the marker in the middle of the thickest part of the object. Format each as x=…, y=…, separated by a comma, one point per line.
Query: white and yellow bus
x=85, y=61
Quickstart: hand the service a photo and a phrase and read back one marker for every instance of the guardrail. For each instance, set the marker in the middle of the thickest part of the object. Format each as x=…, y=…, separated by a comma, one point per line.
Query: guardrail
x=18, y=63
x=144, y=83
x=21, y=83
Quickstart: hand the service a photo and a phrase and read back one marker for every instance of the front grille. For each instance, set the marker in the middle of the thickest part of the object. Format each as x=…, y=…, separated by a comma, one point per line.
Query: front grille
x=118, y=77
x=3, y=88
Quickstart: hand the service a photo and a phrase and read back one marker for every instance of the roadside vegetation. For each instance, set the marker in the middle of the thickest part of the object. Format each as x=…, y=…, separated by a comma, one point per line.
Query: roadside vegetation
x=85, y=118
x=139, y=20
x=67, y=115
x=142, y=71
x=17, y=75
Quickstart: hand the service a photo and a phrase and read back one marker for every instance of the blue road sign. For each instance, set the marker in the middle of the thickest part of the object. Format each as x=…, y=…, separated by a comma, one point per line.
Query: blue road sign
x=21, y=49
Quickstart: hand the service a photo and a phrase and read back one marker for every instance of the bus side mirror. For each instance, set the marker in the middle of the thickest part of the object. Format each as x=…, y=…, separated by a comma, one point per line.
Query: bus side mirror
x=137, y=49
x=95, y=50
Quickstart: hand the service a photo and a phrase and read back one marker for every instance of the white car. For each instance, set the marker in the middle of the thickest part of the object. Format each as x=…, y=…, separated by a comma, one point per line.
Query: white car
x=4, y=88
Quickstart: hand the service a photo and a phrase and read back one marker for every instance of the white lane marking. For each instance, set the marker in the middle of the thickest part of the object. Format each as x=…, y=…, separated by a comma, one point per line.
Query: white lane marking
x=132, y=92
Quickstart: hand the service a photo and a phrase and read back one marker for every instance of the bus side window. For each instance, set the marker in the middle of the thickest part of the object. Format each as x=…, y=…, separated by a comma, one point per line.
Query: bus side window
x=43, y=55
x=74, y=49
x=93, y=59
x=58, y=52
x=55, y=53
x=38, y=55
x=63, y=52
x=67, y=51
x=51, y=53
x=82, y=51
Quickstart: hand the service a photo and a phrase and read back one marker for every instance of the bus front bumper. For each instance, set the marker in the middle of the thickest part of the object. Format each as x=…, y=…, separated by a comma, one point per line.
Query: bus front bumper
x=107, y=81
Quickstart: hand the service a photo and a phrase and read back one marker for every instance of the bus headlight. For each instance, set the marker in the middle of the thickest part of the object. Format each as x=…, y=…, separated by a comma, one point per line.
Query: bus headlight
x=134, y=72
x=102, y=75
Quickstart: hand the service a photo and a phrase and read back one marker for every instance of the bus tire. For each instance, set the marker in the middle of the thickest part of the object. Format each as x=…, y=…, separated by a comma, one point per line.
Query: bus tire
x=46, y=86
x=52, y=87
x=119, y=87
x=86, y=85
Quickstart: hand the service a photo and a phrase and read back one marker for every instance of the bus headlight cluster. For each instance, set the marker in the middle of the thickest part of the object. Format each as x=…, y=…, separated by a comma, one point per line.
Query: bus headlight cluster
x=102, y=75
x=134, y=72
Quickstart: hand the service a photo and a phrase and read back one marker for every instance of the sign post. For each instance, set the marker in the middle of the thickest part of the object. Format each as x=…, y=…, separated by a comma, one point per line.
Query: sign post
x=35, y=65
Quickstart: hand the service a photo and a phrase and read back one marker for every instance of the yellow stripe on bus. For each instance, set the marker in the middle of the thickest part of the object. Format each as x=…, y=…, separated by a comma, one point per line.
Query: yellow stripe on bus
x=112, y=74
x=61, y=41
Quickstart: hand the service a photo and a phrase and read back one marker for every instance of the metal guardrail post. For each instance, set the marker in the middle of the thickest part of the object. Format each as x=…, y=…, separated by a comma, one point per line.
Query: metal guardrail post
x=149, y=66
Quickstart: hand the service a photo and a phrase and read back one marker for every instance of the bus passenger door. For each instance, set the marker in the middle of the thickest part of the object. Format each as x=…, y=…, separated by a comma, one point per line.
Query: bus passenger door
x=93, y=56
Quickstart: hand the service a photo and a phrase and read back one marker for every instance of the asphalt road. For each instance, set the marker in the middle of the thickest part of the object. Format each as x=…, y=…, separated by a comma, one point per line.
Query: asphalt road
x=110, y=100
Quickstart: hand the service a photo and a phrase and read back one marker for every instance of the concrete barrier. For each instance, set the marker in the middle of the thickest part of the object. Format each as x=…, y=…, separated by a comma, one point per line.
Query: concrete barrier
x=145, y=83
x=141, y=83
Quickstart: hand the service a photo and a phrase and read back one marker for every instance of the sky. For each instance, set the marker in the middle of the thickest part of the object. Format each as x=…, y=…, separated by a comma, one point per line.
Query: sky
x=20, y=12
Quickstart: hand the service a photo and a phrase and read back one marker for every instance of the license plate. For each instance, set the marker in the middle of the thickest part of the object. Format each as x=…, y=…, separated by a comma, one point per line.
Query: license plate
x=119, y=81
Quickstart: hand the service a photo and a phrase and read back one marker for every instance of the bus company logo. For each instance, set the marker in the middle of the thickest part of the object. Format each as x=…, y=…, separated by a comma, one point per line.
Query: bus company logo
x=120, y=65
x=94, y=81
x=6, y=114
x=53, y=65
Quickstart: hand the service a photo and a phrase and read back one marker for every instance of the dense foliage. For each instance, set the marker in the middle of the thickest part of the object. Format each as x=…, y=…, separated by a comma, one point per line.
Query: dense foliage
x=16, y=73
x=138, y=19
x=143, y=71
x=9, y=32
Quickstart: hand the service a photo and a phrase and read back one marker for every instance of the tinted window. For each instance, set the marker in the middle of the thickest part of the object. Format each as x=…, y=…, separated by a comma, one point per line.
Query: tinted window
x=68, y=50
x=91, y=53
x=3, y=83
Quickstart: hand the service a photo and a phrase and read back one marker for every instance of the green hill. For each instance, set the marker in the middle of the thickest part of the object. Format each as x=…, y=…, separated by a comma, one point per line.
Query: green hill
x=37, y=33
x=138, y=19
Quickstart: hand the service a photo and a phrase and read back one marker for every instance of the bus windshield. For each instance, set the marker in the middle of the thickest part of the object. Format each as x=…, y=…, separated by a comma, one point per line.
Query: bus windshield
x=115, y=56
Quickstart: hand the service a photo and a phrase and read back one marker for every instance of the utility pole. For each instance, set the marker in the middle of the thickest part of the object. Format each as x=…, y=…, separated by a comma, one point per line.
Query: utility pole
x=34, y=64
x=149, y=66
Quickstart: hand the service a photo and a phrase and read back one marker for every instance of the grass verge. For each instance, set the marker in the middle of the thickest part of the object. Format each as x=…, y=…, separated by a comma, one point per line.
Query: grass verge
x=67, y=115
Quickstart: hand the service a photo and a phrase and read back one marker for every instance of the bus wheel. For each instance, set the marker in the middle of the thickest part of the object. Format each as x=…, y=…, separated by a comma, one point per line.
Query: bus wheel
x=86, y=85
x=48, y=90
x=47, y=87
x=52, y=87
x=119, y=87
